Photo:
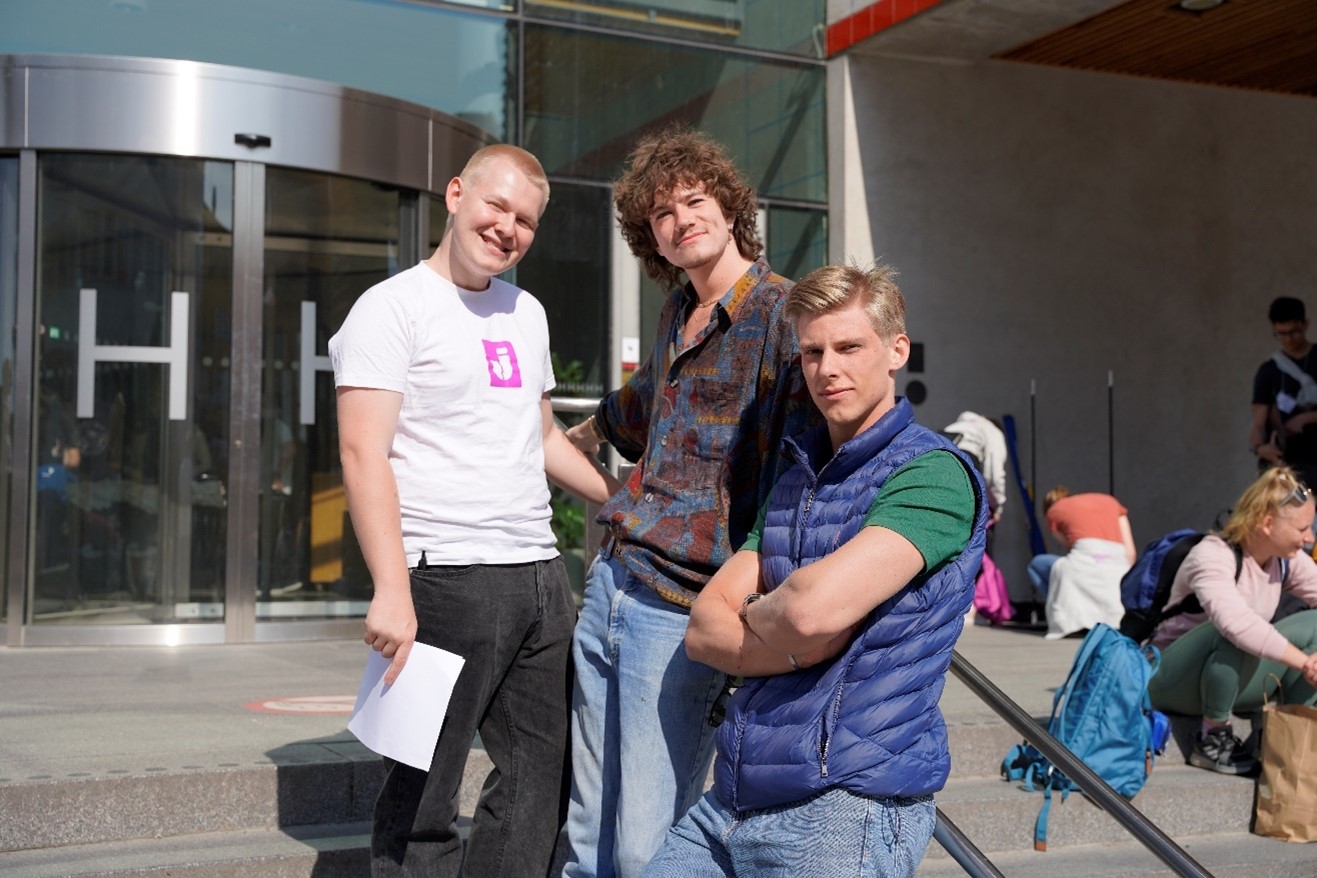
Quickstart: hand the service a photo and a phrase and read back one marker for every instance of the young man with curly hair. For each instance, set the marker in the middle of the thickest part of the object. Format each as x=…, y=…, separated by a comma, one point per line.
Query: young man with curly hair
x=702, y=419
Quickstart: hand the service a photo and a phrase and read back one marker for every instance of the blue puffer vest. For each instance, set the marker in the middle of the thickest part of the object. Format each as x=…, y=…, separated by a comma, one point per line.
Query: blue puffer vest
x=868, y=720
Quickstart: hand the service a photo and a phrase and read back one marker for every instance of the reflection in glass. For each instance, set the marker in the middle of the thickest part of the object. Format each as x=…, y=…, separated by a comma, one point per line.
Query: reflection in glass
x=770, y=115
x=129, y=495
x=652, y=298
x=8, y=303
x=454, y=61
x=794, y=26
x=797, y=241
x=502, y=5
x=327, y=240
x=567, y=269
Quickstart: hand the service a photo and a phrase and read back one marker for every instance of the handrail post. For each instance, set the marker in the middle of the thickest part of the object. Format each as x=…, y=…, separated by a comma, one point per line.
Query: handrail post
x=1092, y=784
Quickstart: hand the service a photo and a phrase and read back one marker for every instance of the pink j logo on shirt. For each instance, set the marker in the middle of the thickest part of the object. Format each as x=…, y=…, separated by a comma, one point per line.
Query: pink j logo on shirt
x=503, y=368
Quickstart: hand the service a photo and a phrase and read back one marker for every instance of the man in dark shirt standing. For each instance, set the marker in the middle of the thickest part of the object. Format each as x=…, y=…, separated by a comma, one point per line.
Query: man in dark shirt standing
x=702, y=419
x=1285, y=395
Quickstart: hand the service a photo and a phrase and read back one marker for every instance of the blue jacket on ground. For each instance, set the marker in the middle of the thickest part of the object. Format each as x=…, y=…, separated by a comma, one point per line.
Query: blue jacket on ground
x=866, y=721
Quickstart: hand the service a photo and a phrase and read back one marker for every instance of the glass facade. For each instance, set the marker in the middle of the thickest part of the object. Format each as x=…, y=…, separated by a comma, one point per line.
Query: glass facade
x=587, y=95
x=149, y=280
x=8, y=329
x=567, y=269
x=797, y=240
x=460, y=63
x=327, y=239
x=134, y=293
x=792, y=26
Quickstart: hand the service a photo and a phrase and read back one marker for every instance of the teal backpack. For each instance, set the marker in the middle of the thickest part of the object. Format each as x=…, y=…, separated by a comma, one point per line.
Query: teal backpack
x=1103, y=716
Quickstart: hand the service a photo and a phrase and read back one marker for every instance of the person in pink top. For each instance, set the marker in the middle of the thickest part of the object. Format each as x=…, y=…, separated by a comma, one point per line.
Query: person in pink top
x=1223, y=658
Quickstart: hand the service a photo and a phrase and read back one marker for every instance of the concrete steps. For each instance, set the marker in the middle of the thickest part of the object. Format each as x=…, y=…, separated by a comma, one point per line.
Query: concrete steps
x=1226, y=855
x=303, y=815
x=143, y=762
x=83, y=811
x=999, y=816
x=1208, y=814
x=328, y=850
x=310, y=818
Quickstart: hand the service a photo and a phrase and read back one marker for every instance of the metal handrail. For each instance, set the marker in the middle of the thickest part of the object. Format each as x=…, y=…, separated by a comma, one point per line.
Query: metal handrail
x=1088, y=781
x=956, y=843
x=962, y=850
x=575, y=405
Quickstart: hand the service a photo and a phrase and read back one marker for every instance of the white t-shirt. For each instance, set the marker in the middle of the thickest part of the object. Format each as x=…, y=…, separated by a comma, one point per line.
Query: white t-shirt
x=468, y=453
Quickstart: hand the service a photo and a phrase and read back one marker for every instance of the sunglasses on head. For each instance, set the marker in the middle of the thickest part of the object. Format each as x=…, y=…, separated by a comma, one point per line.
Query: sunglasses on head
x=1297, y=496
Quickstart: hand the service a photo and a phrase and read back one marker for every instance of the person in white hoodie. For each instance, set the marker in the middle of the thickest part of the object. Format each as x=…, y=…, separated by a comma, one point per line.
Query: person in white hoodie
x=983, y=440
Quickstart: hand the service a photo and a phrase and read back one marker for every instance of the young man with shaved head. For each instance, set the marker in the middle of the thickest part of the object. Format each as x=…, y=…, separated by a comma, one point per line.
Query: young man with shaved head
x=446, y=436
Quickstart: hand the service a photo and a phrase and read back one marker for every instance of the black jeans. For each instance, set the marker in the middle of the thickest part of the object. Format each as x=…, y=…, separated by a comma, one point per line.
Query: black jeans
x=513, y=625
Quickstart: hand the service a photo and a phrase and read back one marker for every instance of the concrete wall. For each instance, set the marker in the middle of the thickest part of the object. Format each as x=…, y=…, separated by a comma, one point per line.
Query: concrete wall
x=1053, y=225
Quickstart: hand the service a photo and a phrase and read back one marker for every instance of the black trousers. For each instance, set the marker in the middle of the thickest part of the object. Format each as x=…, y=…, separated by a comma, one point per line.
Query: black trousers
x=513, y=625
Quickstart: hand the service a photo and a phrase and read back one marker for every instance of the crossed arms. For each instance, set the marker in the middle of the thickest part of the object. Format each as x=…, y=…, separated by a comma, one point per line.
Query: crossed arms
x=812, y=615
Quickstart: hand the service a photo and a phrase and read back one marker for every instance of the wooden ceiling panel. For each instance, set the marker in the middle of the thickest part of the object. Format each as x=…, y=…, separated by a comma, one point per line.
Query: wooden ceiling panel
x=1266, y=45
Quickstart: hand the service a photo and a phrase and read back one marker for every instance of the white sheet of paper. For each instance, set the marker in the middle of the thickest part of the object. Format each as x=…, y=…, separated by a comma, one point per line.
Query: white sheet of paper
x=402, y=721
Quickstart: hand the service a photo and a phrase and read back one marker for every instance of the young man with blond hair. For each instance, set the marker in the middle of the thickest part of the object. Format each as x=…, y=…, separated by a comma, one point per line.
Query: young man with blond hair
x=446, y=436
x=702, y=419
x=840, y=610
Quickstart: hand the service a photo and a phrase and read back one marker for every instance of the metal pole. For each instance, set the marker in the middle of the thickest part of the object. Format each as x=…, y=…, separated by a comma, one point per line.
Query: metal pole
x=1033, y=443
x=1111, y=433
x=962, y=850
x=1097, y=789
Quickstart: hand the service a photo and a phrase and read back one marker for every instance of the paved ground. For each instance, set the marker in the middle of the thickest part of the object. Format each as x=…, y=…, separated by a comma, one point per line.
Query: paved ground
x=96, y=711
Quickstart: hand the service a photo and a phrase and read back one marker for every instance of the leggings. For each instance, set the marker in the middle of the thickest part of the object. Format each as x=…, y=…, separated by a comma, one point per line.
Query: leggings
x=1203, y=674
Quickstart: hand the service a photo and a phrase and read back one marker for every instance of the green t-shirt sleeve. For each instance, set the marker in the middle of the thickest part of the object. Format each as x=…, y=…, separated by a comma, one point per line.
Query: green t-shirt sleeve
x=930, y=502
x=756, y=534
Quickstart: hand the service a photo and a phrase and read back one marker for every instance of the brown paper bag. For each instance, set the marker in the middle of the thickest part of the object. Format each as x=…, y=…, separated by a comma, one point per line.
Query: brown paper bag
x=1287, y=790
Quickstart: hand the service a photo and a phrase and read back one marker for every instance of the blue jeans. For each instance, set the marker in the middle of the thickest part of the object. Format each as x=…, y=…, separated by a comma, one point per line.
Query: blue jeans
x=513, y=625
x=641, y=741
x=1040, y=571
x=836, y=833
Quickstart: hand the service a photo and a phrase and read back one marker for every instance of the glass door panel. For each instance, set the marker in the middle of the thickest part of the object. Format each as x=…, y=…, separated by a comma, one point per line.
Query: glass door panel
x=8, y=326
x=327, y=240
x=131, y=432
x=567, y=269
x=797, y=240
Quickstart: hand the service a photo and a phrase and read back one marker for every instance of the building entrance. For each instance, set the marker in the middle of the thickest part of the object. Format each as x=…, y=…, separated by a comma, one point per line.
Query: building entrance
x=170, y=276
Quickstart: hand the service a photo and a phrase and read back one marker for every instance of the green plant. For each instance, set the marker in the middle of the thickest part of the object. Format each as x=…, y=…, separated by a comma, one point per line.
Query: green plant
x=571, y=373
x=568, y=520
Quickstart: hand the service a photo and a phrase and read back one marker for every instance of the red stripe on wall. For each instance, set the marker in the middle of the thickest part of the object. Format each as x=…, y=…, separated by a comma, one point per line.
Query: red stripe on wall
x=872, y=19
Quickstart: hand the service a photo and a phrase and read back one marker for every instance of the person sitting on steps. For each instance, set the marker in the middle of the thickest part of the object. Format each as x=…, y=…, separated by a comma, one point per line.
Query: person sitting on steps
x=1228, y=657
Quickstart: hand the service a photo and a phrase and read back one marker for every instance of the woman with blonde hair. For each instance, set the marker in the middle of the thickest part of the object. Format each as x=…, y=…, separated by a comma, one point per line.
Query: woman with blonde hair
x=1221, y=652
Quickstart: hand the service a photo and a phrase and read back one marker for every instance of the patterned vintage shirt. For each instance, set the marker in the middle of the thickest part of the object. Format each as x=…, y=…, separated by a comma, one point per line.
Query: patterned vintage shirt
x=704, y=427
